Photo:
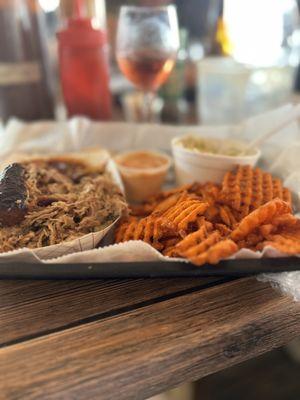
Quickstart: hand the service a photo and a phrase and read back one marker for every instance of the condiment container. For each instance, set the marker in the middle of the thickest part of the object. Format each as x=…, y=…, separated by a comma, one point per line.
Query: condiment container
x=196, y=166
x=83, y=59
x=141, y=180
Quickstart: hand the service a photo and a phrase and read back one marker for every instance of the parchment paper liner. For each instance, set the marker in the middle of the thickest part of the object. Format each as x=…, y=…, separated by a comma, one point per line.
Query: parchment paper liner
x=280, y=156
x=80, y=244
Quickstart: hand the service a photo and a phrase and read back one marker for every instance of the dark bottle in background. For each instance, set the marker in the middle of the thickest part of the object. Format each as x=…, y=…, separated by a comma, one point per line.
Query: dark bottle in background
x=172, y=92
x=25, y=90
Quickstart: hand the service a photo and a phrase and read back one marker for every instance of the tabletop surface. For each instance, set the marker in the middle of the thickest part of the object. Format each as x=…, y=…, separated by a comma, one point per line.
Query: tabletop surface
x=124, y=339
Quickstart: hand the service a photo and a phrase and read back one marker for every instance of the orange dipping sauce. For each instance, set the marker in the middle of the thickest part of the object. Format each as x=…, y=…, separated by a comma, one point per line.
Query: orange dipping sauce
x=143, y=173
x=142, y=160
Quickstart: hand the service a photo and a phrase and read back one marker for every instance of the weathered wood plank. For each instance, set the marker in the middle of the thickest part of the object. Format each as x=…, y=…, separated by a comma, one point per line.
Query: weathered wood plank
x=31, y=308
x=143, y=352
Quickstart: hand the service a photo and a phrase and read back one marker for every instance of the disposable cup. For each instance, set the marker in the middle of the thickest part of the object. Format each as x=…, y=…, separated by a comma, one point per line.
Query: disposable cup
x=195, y=166
x=142, y=183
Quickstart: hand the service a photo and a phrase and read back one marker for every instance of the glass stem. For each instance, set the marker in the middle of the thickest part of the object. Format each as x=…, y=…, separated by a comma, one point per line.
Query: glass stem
x=147, y=107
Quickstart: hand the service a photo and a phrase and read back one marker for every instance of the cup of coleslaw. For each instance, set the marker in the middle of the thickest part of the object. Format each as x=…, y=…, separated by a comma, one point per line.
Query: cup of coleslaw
x=199, y=159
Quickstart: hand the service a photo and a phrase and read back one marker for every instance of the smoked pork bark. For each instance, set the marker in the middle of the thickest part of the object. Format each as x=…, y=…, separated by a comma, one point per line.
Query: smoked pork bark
x=13, y=195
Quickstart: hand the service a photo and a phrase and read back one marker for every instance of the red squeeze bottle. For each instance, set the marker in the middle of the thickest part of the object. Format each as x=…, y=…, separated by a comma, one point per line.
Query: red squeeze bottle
x=83, y=65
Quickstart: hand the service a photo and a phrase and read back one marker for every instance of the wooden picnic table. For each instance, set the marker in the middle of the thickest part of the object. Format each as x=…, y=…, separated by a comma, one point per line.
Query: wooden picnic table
x=130, y=339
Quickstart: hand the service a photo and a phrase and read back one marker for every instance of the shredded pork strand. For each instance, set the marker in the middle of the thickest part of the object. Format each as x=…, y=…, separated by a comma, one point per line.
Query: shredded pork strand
x=64, y=203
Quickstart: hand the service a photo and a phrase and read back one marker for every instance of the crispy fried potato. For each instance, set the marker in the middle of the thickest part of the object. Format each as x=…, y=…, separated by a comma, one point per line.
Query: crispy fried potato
x=206, y=223
x=121, y=229
x=151, y=230
x=185, y=214
x=215, y=253
x=191, y=240
x=194, y=251
x=212, y=214
x=277, y=223
x=223, y=229
x=284, y=244
x=227, y=216
x=169, y=202
x=262, y=215
x=246, y=189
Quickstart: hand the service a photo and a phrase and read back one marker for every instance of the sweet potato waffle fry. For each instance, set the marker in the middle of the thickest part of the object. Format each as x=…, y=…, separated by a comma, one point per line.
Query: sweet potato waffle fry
x=246, y=189
x=192, y=240
x=215, y=253
x=206, y=223
x=262, y=215
x=184, y=214
x=150, y=229
x=285, y=236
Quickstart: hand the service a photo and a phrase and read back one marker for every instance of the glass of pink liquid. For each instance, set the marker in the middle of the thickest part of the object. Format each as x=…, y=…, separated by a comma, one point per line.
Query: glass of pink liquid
x=146, y=48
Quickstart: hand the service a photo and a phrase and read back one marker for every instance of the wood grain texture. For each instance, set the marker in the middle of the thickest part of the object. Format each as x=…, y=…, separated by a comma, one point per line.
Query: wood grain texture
x=271, y=376
x=143, y=352
x=33, y=308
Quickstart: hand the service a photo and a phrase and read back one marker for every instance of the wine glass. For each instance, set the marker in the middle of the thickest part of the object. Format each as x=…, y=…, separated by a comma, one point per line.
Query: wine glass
x=146, y=48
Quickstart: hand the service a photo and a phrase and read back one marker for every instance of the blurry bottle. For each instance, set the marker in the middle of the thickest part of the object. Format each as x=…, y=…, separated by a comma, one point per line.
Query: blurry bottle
x=222, y=38
x=172, y=92
x=83, y=59
x=222, y=45
x=25, y=90
x=297, y=81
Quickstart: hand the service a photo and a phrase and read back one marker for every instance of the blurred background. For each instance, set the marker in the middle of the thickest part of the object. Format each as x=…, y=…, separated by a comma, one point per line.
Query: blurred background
x=236, y=59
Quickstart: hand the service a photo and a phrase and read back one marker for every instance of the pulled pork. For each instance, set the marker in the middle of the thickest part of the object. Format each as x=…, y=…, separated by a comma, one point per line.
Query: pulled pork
x=65, y=200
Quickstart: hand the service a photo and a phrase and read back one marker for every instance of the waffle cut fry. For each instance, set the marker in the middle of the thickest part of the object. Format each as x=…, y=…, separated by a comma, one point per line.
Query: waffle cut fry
x=184, y=214
x=206, y=223
x=150, y=230
x=192, y=240
x=207, y=192
x=285, y=236
x=162, y=200
x=217, y=252
x=204, y=247
x=260, y=216
x=246, y=189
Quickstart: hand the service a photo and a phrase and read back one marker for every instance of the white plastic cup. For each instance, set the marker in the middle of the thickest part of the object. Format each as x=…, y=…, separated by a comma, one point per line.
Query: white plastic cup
x=195, y=166
x=222, y=86
x=142, y=183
